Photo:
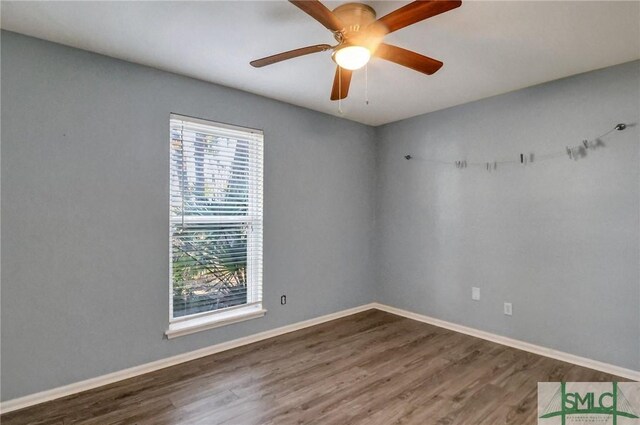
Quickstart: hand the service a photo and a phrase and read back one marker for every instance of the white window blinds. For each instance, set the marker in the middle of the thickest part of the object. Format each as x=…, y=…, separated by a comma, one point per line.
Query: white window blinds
x=216, y=217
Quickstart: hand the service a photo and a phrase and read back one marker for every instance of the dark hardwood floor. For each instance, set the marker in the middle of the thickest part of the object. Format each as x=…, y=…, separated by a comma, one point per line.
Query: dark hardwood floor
x=369, y=368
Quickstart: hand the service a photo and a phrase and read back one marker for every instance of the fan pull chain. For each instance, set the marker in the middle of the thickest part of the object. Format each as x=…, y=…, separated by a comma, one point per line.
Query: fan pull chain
x=366, y=84
x=340, y=90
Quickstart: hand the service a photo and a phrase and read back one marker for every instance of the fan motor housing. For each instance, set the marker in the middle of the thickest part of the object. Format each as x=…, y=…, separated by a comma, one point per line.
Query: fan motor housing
x=356, y=16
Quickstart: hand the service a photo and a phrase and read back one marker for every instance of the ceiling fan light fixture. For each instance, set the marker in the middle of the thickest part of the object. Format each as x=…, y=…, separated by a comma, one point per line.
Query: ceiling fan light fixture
x=360, y=35
x=352, y=57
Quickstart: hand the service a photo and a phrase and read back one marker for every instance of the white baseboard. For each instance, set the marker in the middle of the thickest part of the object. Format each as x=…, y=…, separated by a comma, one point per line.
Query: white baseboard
x=48, y=395
x=52, y=394
x=520, y=345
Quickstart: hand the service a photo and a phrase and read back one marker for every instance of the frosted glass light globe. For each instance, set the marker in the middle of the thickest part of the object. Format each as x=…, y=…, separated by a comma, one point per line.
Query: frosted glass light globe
x=352, y=57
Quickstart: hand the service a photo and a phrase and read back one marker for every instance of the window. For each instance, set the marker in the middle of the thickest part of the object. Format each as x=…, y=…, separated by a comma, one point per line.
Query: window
x=215, y=224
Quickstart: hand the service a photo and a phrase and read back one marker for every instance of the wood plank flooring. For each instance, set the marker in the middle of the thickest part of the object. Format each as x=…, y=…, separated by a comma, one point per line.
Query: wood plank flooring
x=369, y=368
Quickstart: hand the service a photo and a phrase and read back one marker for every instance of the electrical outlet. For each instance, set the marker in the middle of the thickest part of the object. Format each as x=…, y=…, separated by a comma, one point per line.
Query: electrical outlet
x=475, y=293
x=283, y=299
x=508, y=309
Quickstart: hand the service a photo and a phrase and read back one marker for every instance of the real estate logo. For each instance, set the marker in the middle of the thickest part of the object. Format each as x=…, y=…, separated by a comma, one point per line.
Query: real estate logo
x=588, y=403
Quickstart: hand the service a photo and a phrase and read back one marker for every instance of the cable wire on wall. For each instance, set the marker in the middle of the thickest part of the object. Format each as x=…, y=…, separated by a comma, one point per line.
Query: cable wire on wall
x=575, y=153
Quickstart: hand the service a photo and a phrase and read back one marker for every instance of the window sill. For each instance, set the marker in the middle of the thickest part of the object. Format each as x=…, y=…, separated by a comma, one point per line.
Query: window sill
x=214, y=320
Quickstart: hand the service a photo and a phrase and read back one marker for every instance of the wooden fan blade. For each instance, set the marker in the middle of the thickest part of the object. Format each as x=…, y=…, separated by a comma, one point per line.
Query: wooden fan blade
x=408, y=58
x=320, y=13
x=341, y=83
x=289, y=55
x=415, y=12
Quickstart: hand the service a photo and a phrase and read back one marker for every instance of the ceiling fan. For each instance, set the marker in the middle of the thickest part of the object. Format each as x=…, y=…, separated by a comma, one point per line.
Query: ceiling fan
x=359, y=36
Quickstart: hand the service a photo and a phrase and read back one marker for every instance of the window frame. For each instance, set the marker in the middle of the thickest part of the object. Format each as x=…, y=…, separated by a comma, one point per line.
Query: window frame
x=253, y=308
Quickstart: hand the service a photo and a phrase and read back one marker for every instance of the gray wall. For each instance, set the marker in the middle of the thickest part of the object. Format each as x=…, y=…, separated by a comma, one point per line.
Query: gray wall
x=558, y=239
x=85, y=212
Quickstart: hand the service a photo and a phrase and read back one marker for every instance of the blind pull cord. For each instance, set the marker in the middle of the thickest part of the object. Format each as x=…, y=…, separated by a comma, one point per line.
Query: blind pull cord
x=183, y=174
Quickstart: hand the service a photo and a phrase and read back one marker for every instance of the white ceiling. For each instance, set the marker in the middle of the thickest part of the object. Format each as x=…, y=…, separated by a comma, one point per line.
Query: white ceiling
x=488, y=47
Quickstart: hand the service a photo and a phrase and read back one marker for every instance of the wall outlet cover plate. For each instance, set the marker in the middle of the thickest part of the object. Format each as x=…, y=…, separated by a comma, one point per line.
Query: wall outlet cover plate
x=475, y=293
